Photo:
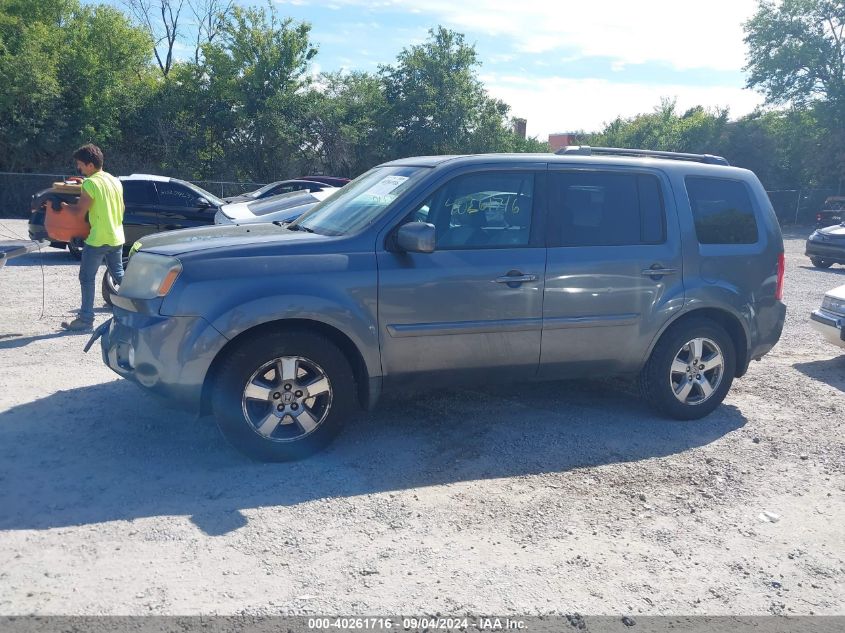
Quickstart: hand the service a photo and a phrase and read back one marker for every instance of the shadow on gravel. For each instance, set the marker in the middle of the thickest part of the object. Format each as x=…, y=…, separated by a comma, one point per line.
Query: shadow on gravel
x=48, y=257
x=831, y=371
x=833, y=269
x=23, y=341
x=112, y=452
x=795, y=232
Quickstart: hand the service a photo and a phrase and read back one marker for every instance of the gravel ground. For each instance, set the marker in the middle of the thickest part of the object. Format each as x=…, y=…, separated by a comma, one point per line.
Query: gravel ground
x=569, y=497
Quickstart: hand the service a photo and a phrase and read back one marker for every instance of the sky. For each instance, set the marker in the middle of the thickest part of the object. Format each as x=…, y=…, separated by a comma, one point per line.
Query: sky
x=564, y=65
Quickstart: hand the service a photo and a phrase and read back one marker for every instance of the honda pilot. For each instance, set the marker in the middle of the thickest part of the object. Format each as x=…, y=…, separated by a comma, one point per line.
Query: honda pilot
x=449, y=270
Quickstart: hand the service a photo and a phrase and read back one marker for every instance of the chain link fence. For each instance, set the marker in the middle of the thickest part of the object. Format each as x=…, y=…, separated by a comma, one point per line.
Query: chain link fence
x=793, y=206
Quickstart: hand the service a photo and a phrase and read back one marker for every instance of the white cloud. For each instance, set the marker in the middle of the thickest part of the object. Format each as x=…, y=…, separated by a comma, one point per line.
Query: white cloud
x=564, y=105
x=681, y=33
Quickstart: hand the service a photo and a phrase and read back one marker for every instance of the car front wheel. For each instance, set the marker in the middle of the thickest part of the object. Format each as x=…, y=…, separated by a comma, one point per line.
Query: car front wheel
x=281, y=396
x=820, y=263
x=690, y=370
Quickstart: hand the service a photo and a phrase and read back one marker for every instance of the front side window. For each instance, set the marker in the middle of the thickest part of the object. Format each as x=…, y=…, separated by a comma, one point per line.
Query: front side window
x=722, y=211
x=605, y=209
x=485, y=210
x=173, y=195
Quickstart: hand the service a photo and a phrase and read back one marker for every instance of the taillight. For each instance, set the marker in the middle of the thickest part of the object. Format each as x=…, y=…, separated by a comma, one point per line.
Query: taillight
x=781, y=271
x=818, y=217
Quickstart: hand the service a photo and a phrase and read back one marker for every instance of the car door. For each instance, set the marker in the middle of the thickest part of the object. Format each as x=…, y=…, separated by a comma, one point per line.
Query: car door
x=614, y=270
x=140, y=216
x=472, y=308
x=179, y=207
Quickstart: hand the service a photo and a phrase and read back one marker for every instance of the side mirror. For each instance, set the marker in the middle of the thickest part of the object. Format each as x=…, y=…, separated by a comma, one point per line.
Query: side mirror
x=202, y=203
x=416, y=237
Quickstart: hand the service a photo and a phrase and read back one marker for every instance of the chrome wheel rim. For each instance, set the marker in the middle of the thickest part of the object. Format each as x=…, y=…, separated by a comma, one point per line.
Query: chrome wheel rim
x=287, y=399
x=697, y=371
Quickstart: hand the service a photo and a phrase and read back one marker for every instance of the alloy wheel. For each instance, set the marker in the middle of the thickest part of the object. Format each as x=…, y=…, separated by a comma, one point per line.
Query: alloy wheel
x=287, y=399
x=697, y=371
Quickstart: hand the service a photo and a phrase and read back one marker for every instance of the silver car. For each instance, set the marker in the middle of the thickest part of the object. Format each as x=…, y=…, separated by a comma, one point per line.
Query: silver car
x=829, y=319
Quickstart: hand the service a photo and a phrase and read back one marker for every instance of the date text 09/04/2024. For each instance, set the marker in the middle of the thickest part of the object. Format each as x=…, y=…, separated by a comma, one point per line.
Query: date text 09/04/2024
x=417, y=623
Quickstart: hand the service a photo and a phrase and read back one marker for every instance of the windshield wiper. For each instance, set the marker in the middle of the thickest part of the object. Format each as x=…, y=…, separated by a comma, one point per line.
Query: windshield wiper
x=299, y=227
x=281, y=222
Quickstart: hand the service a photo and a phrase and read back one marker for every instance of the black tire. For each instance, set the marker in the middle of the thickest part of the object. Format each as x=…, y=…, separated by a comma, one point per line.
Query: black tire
x=820, y=263
x=75, y=247
x=108, y=287
x=231, y=409
x=656, y=378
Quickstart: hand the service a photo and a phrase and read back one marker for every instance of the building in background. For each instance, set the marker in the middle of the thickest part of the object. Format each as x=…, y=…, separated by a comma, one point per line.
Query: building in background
x=562, y=139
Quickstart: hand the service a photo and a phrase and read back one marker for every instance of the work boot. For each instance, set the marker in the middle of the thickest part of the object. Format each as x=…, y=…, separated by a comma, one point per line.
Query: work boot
x=78, y=325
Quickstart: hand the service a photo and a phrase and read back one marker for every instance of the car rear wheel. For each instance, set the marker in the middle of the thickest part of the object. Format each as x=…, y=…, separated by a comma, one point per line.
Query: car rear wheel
x=820, y=263
x=690, y=370
x=282, y=396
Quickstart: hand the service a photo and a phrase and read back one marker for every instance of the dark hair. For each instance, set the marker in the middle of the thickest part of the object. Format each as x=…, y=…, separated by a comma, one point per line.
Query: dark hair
x=90, y=153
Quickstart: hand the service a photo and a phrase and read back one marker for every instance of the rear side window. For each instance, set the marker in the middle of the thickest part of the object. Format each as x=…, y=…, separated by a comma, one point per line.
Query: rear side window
x=605, y=209
x=722, y=211
x=138, y=192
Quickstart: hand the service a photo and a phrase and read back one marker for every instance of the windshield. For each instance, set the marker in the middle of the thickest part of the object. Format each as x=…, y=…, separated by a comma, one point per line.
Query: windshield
x=259, y=192
x=361, y=202
x=217, y=202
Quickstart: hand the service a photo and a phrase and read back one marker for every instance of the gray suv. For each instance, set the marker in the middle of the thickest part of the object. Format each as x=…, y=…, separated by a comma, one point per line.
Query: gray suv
x=453, y=269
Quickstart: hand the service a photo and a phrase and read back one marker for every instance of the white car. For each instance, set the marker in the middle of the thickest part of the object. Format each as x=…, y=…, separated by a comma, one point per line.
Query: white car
x=284, y=208
x=829, y=320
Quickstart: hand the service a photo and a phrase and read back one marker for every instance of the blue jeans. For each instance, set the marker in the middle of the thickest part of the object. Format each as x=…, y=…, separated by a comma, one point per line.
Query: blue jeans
x=92, y=257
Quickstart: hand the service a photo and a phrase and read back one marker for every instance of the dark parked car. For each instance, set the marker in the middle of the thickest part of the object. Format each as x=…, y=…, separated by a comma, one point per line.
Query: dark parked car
x=826, y=246
x=832, y=213
x=436, y=271
x=153, y=204
x=278, y=188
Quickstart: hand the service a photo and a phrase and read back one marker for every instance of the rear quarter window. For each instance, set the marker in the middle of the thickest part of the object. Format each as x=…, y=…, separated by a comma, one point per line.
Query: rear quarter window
x=722, y=211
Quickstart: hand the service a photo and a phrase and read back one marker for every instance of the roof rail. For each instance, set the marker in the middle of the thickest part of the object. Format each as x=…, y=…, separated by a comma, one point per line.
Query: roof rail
x=586, y=150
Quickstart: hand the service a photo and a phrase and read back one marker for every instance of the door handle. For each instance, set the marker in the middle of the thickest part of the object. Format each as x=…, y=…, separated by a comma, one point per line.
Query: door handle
x=515, y=277
x=658, y=271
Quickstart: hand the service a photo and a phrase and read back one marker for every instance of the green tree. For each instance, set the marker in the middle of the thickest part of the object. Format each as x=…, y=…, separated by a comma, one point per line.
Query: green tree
x=437, y=104
x=796, y=51
x=697, y=130
x=69, y=74
x=252, y=82
x=346, y=130
x=796, y=55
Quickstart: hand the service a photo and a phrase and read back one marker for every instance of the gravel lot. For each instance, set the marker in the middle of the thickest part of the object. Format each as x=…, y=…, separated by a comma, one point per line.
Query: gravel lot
x=563, y=497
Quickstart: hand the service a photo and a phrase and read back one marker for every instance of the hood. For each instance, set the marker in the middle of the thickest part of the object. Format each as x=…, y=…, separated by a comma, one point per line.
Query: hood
x=837, y=230
x=285, y=215
x=837, y=293
x=203, y=238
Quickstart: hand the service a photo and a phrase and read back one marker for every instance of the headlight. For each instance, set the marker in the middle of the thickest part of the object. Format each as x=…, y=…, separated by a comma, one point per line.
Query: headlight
x=814, y=236
x=149, y=276
x=833, y=305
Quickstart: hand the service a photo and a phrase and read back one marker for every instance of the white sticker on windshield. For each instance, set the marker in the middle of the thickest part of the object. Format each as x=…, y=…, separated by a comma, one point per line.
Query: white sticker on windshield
x=386, y=185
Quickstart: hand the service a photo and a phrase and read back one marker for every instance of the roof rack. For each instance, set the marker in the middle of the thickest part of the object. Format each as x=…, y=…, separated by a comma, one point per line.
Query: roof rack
x=586, y=150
